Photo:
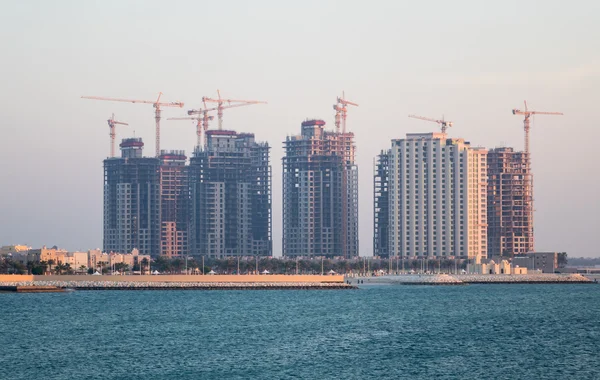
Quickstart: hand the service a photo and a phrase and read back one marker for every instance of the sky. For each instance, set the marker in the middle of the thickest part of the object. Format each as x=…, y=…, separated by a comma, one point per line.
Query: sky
x=470, y=61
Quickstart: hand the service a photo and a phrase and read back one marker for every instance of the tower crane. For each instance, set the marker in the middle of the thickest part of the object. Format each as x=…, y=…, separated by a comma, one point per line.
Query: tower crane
x=341, y=111
x=221, y=101
x=443, y=123
x=199, y=123
x=204, y=117
x=157, y=104
x=526, y=123
x=111, y=124
x=528, y=177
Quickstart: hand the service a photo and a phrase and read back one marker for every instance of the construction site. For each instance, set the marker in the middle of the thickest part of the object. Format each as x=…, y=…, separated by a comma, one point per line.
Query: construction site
x=320, y=189
x=174, y=203
x=510, y=223
x=230, y=183
x=132, y=201
x=506, y=191
x=218, y=205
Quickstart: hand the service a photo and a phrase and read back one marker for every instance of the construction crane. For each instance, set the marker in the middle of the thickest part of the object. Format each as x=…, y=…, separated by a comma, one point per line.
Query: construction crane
x=157, y=104
x=221, y=101
x=199, y=124
x=443, y=123
x=342, y=111
x=526, y=123
x=528, y=176
x=205, y=118
x=111, y=124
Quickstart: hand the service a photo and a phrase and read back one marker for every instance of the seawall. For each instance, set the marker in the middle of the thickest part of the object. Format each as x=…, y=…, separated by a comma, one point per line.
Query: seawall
x=270, y=278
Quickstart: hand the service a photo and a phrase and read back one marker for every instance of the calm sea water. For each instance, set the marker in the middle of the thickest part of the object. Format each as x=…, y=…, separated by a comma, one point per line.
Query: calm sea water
x=420, y=332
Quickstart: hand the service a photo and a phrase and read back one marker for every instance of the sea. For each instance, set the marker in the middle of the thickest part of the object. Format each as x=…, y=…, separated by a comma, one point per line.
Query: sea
x=510, y=331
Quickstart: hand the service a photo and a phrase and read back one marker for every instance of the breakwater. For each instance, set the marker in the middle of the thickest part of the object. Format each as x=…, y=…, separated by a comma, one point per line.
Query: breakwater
x=462, y=279
x=172, y=285
x=179, y=282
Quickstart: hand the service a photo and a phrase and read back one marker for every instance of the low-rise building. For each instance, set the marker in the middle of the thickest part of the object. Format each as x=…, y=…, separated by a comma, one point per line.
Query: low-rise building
x=483, y=266
x=76, y=260
x=97, y=259
x=54, y=255
x=12, y=249
x=546, y=262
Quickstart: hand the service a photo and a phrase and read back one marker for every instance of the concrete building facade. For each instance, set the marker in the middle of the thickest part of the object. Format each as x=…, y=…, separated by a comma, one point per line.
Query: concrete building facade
x=320, y=193
x=132, y=201
x=510, y=213
x=230, y=186
x=437, y=197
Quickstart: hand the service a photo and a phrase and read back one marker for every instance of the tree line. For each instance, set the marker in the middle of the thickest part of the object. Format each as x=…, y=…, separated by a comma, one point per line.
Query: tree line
x=242, y=265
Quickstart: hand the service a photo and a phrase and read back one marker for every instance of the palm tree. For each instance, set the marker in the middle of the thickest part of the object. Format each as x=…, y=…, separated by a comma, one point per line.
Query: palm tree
x=67, y=268
x=50, y=263
x=44, y=266
x=145, y=263
x=121, y=267
x=59, y=268
x=82, y=269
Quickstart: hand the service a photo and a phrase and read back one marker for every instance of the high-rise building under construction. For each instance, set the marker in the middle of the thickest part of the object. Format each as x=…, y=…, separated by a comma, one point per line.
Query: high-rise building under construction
x=320, y=193
x=174, y=203
x=434, y=197
x=510, y=218
x=131, y=201
x=381, y=208
x=230, y=186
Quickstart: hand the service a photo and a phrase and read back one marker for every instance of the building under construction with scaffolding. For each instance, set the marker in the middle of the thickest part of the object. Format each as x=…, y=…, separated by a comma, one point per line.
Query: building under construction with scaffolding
x=320, y=193
x=131, y=201
x=230, y=186
x=510, y=203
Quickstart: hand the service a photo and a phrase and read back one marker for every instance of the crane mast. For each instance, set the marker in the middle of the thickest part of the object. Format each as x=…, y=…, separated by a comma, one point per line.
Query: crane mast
x=341, y=112
x=526, y=121
x=220, y=105
x=157, y=104
x=111, y=124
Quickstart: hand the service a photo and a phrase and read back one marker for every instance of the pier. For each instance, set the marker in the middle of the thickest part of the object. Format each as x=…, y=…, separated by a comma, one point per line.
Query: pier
x=30, y=289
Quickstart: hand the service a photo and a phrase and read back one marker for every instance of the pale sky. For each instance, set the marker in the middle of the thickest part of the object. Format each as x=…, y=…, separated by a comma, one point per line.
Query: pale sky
x=472, y=61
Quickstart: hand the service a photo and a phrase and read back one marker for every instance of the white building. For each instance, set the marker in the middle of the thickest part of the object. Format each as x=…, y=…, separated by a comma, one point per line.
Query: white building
x=437, y=197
